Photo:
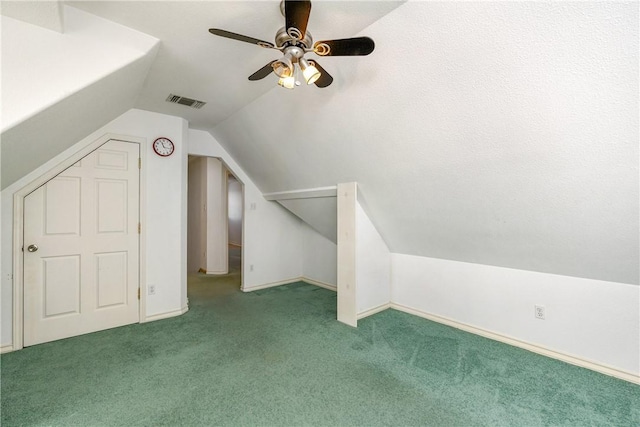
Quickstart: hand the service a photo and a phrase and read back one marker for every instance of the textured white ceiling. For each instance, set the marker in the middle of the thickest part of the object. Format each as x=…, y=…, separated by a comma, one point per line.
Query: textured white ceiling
x=498, y=133
x=502, y=133
x=93, y=71
x=193, y=63
x=46, y=14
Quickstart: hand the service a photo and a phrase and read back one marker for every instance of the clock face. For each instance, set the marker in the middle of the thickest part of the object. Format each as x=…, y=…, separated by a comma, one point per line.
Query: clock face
x=163, y=147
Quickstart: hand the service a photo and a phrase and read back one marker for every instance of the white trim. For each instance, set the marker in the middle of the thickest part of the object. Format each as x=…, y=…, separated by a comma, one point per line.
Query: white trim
x=270, y=285
x=142, y=237
x=325, y=285
x=18, y=226
x=307, y=193
x=374, y=310
x=18, y=286
x=289, y=281
x=166, y=315
x=217, y=273
x=6, y=348
x=242, y=244
x=573, y=360
x=347, y=311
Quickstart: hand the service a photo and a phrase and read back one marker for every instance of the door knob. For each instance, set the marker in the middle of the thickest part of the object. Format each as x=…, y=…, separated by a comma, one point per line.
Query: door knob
x=32, y=248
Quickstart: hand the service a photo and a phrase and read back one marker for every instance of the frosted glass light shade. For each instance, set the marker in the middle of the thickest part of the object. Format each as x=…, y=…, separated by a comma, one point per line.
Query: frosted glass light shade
x=311, y=74
x=287, y=81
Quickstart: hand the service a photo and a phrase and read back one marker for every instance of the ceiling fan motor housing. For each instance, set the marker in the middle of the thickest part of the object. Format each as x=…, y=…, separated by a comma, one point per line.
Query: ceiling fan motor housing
x=283, y=39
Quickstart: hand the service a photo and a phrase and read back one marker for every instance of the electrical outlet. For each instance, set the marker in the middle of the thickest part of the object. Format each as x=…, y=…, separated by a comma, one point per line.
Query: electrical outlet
x=251, y=267
x=539, y=312
x=152, y=289
x=252, y=206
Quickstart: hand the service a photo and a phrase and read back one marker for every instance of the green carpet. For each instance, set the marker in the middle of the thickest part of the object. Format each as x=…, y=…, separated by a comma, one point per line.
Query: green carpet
x=279, y=357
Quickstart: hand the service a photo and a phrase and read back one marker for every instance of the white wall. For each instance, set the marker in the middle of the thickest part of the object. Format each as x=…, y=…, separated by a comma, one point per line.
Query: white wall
x=320, y=213
x=373, y=264
x=593, y=320
x=272, y=235
x=216, y=214
x=41, y=67
x=164, y=227
x=234, y=209
x=320, y=257
x=48, y=15
x=94, y=70
x=197, y=218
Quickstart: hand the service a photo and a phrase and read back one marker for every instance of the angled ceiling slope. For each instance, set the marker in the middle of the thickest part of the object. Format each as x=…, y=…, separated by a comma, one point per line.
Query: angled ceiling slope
x=318, y=207
x=47, y=14
x=499, y=133
x=195, y=64
x=60, y=87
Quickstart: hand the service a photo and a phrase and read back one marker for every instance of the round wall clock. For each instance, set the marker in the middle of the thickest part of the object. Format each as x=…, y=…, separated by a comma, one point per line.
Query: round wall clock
x=163, y=147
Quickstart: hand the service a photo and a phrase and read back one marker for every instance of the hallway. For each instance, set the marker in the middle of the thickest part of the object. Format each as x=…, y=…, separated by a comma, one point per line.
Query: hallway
x=203, y=287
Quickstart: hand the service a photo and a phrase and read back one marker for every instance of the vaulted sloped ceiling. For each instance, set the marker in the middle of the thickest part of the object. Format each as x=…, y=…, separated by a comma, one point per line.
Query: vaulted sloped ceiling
x=48, y=14
x=193, y=63
x=59, y=87
x=497, y=133
x=502, y=133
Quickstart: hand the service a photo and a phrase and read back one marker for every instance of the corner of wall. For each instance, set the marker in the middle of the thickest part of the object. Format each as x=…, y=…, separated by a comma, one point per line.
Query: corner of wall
x=373, y=266
x=320, y=257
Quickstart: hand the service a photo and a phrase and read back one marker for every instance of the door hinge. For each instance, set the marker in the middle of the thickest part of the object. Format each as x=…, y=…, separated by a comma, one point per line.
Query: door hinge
x=138, y=293
x=139, y=163
x=139, y=227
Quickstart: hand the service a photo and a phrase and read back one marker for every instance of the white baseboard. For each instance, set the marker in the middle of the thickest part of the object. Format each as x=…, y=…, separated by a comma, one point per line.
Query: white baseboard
x=166, y=315
x=270, y=285
x=9, y=347
x=217, y=273
x=573, y=360
x=289, y=281
x=374, y=310
x=325, y=285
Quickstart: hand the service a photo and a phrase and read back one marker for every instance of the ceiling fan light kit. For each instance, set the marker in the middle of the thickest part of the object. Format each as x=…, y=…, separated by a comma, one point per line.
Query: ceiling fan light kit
x=294, y=41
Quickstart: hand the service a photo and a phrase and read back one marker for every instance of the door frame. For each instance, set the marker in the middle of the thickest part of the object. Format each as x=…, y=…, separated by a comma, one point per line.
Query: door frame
x=230, y=172
x=18, y=229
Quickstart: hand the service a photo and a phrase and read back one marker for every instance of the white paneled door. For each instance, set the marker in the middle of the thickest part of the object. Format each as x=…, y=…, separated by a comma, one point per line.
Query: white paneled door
x=81, y=245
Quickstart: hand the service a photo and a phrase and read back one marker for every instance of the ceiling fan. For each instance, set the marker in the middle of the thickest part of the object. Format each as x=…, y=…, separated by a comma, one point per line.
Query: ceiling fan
x=293, y=40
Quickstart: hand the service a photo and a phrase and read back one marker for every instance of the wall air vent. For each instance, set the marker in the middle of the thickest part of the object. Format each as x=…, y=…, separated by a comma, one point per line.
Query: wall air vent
x=193, y=103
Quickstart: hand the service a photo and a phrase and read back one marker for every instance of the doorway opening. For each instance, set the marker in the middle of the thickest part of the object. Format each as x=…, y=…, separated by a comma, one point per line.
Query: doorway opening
x=234, y=220
x=214, y=228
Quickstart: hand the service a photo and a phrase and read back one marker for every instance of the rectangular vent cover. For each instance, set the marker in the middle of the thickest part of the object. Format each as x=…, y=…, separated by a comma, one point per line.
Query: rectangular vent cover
x=193, y=103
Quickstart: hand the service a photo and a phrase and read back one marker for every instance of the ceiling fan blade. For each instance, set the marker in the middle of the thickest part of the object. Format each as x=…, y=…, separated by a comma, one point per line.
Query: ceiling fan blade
x=296, y=14
x=240, y=37
x=325, y=78
x=344, y=47
x=262, y=72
